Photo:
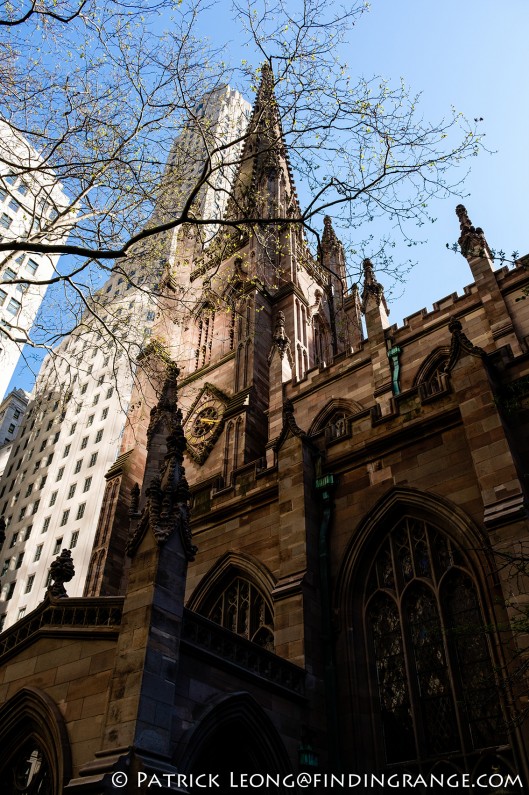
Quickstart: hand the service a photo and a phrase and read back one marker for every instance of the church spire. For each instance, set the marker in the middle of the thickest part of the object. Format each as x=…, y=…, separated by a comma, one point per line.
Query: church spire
x=264, y=175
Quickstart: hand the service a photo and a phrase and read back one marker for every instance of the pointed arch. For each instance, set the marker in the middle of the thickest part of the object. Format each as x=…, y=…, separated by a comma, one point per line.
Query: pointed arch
x=415, y=588
x=236, y=594
x=31, y=725
x=229, y=565
x=336, y=406
x=233, y=733
x=431, y=377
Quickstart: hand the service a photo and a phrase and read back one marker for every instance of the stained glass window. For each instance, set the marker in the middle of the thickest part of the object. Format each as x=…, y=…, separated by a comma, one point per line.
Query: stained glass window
x=27, y=772
x=429, y=649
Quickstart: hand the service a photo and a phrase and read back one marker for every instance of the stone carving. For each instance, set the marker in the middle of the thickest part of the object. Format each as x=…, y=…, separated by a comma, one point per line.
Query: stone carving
x=280, y=340
x=372, y=288
x=472, y=239
x=460, y=344
x=166, y=506
x=61, y=570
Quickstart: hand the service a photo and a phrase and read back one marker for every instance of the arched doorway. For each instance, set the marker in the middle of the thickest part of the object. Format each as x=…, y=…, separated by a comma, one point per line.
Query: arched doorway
x=235, y=736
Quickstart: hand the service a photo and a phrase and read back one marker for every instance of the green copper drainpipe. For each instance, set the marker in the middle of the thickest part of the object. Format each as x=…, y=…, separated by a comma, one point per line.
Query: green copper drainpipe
x=325, y=487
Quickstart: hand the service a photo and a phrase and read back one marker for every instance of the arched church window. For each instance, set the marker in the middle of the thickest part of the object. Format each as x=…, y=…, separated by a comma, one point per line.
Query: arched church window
x=320, y=342
x=242, y=608
x=27, y=772
x=205, y=324
x=432, y=674
x=337, y=425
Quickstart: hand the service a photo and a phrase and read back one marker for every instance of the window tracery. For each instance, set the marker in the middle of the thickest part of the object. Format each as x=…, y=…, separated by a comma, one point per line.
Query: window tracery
x=242, y=608
x=28, y=772
x=428, y=648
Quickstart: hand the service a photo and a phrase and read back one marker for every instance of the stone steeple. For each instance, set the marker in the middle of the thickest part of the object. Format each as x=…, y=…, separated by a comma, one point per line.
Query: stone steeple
x=264, y=185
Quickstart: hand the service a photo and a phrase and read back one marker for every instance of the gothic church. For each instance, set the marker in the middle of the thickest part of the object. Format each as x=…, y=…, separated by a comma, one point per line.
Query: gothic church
x=325, y=532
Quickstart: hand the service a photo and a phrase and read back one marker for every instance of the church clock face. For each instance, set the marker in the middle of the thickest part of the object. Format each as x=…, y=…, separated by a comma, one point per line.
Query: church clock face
x=204, y=423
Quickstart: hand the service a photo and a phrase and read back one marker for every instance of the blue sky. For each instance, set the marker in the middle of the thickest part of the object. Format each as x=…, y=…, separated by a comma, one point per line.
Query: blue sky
x=472, y=55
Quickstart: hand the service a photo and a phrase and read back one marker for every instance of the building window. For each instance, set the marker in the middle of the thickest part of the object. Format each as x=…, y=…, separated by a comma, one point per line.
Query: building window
x=2, y=621
x=21, y=613
x=32, y=266
x=100, y=380
x=72, y=429
x=29, y=489
x=46, y=524
x=84, y=443
x=95, y=400
x=110, y=392
x=43, y=480
x=53, y=498
x=99, y=435
x=11, y=428
x=20, y=558
x=84, y=388
x=56, y=437
x=22, y=513
x=14, y=539
x=43, y=445
x=13, y=306
x=27, y=532
x=5, y=221
x=29, y=584
x=60, y=473
x=49, y=459
x=87, y=483
x=428, y=649
x=64, y=517
x=90, y=420
x=71, y=491
x=3, y=296
x=74, y=539
x=66, y=450
x=78, y=465
x=14, y=205
x=57, y=547
x=38, y=553
x=243, y=609
x=80, y=510
x=104, y=413
x=5, y=567
x=10, y=591
x=35, y=506
x=93, y=459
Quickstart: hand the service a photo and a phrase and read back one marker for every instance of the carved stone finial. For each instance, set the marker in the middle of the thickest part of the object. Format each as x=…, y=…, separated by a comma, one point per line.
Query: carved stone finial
x=472, y=239
x=167, y=403
x=166, y=508
x=372, y=288
x=280, y=339
x=61, y=570
x=329, y=238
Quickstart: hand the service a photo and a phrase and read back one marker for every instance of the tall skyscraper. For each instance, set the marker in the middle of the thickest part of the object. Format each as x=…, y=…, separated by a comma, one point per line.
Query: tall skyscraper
x=54, y=479
x=31, y=204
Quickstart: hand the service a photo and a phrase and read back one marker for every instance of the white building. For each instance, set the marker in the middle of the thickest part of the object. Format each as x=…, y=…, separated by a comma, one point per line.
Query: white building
x=53, y=485
x=220, y=118
x=12, y=410
x=32, y=205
